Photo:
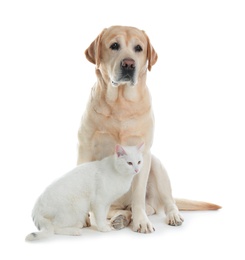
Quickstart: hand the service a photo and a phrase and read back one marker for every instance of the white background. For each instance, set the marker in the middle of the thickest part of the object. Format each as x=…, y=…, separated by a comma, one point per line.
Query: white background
x=197, y=88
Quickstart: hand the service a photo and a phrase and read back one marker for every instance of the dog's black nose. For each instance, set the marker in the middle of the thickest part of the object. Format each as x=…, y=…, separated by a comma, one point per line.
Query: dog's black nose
x=128, y=64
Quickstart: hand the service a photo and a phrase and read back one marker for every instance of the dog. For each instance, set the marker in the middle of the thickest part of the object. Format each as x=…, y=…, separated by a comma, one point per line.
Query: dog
x=120, y=111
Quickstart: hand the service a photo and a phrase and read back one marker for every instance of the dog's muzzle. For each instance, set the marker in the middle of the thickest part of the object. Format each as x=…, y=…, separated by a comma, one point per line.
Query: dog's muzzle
x=127, y=71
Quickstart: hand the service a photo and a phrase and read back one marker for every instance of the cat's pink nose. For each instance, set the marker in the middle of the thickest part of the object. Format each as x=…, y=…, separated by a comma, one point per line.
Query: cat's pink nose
x=136, y=170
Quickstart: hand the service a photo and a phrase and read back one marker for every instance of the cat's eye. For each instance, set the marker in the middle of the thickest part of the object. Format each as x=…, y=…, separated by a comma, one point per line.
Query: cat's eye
x=130, y=163
x=139, y=162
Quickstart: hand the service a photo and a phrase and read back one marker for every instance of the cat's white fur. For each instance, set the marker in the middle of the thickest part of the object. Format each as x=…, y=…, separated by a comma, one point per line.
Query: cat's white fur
x=64, y=206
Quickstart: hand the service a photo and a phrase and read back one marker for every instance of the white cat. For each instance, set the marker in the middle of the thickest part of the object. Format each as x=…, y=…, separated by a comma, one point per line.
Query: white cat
x=64, y=206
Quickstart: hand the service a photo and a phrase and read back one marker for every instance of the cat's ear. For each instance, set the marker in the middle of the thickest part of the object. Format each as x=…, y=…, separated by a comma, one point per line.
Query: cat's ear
x=119, y=150
x=141, y=147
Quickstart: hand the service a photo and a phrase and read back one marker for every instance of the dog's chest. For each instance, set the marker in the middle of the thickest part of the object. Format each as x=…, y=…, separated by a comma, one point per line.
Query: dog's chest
x=118, y=121
x=126, y=132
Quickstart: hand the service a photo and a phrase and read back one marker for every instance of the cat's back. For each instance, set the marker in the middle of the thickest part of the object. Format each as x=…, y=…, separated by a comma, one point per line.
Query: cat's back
x=79, y=178
x=83, y=173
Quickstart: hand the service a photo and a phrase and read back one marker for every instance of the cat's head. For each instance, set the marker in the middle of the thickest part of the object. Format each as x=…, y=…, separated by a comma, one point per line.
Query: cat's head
x=129, y=158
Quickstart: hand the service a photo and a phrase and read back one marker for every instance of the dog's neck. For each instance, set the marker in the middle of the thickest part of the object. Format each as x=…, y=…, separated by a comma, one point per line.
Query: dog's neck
x=123, y=91
x=126, y=100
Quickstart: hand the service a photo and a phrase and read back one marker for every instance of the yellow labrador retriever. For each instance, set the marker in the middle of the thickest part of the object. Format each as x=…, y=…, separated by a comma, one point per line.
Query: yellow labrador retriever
x=120, y=111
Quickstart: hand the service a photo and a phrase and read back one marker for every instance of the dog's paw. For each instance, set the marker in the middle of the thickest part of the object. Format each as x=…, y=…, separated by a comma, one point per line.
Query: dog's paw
x=174, y=218
x=120, y=222
x=143, y=225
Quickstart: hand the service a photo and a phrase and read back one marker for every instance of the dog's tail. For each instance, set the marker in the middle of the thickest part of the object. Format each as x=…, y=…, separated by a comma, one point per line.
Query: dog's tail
x=185, y=204
x=46, y=229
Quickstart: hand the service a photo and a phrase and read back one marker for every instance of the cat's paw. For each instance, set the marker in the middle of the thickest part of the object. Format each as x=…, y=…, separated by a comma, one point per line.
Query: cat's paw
x=105, y=228
x=76, y=232
x=174, y=218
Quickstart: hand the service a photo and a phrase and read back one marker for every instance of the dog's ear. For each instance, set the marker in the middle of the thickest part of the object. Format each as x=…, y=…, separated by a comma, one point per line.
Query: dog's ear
x=151, y=53
x=93, y=51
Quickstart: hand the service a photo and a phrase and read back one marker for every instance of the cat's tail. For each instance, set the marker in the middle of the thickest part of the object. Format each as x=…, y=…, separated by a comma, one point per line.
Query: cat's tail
x=38, y=235
x=46, y=229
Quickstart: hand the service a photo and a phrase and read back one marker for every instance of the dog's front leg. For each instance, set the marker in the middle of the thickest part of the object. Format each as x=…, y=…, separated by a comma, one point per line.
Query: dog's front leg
x=141, y=222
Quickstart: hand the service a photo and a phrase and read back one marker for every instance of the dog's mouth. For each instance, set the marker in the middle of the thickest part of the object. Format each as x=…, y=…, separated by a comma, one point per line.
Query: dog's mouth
x=126, y=79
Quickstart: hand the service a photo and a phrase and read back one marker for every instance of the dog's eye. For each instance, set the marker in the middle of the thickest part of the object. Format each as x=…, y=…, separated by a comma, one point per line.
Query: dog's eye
x=115, y=46
x=138, y=48
x=130, y=163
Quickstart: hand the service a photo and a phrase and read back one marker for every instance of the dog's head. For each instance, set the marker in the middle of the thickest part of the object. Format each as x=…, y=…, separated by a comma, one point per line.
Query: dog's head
x=122, y=54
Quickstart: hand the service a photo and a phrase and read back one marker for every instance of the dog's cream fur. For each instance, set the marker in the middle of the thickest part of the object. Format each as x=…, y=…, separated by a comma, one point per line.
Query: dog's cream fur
x=120, y=111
